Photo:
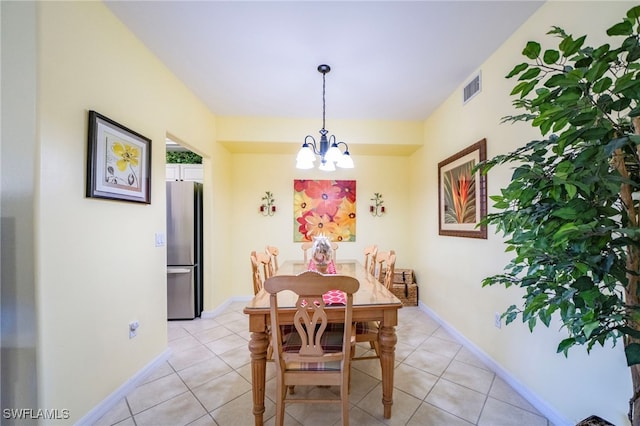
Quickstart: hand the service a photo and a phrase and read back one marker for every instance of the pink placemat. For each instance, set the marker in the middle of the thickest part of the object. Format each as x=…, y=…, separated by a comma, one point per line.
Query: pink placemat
x=331, y=267
x=332, y=297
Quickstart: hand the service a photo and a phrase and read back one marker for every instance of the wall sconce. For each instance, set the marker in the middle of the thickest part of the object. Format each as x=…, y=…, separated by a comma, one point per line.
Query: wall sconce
x=378, y=208
x=268, y=208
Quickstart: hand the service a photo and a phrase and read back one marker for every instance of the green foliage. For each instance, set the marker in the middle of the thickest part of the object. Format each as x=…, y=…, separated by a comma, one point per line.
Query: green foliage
x=562, y=213
x=183, y=157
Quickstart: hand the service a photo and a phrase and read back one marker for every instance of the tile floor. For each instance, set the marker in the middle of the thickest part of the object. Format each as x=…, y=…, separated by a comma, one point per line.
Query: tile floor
x=207, y=381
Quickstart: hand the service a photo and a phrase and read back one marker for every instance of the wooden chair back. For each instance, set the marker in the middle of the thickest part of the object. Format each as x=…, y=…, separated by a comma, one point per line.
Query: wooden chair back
x=370, y=254
x=381, y=262
x=334, y=250
x=390, y=270
x=273, y=252
x=313, y=354
x=258, y=281
x=265, y=261
x=306, y=246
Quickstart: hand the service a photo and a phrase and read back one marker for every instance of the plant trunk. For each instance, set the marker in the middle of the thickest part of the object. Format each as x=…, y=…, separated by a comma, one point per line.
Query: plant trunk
x=631, y=290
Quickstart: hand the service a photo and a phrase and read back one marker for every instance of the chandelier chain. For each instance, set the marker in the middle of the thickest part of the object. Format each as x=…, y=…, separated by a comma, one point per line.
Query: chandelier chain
x=323, y=101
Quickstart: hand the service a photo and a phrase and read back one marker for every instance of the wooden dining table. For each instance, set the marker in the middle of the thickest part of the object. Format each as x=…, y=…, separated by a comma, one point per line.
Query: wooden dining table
x=372, y=302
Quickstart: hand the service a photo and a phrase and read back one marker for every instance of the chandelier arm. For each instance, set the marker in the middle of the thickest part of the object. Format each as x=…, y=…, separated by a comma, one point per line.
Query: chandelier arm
x=312, y=143
x=346, y=147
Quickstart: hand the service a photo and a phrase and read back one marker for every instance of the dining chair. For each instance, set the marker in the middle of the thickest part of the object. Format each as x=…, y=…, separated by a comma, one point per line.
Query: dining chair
x=382, y=258
x=273, y=252
x=390, y=270
x=368, y=331
x=334, y=251
x=370, y=254
x=266, y=262
x=258, y=284
x=258, y=281
x=305, y=248
x=313, y=354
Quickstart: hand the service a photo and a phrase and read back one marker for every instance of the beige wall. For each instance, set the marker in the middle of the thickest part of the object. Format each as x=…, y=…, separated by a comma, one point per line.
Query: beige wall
x=253, y=174
x=96, y=262
x=451, y=269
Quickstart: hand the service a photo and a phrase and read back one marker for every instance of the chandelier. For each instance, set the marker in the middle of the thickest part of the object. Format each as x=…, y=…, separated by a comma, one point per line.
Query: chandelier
x=328, y=149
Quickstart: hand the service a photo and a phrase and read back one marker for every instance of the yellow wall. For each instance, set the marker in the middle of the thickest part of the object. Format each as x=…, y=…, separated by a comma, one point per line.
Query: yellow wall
x=451, y=268
x=354, y=132
x=253, y=174
x=97, y=264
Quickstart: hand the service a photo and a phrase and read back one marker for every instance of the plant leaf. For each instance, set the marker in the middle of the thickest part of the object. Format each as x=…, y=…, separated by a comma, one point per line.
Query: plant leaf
x=532, y=50
x=517, y=69
x=622, y=28
x=602, y=85
x=634, y=13
x=551, y=56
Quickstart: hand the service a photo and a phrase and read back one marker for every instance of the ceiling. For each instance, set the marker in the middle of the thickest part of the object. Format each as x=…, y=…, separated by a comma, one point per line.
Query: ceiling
x=390, y=60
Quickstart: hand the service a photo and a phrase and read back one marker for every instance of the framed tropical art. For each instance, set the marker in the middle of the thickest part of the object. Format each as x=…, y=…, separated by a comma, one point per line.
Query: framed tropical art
x=324, y=207
x=118, y=162
x=462, y=195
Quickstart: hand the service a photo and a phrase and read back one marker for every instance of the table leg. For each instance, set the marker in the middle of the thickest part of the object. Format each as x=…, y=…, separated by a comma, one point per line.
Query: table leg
x=258, y=347
x=387, y=340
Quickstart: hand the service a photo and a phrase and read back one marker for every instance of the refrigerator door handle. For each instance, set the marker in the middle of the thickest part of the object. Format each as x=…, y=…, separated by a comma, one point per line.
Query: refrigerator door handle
x=178, y=270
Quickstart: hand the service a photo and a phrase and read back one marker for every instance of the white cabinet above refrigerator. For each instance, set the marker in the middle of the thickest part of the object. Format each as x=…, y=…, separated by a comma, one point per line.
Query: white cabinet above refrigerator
x=186, y=172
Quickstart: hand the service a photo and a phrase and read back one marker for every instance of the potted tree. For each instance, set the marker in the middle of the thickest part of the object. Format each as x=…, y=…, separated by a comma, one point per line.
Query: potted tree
x=571, y=212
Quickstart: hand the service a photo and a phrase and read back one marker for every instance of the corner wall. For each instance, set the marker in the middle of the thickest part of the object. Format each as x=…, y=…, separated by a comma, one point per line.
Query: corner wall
x=451, y=268
x=96, y=262
x=18, y=328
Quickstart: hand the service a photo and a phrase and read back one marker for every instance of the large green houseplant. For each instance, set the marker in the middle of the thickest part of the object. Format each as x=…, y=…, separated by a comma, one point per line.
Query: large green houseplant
x=571, y=213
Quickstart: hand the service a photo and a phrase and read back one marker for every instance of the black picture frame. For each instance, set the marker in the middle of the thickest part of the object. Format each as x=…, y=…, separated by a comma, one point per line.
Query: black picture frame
x=118, y=162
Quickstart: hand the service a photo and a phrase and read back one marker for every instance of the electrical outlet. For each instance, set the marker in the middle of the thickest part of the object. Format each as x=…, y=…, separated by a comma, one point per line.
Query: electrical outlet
x=497, y=321
x=133, y=329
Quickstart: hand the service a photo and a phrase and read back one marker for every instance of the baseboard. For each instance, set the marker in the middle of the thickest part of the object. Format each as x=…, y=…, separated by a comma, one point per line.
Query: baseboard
x=542, y=406
x=217, y=311
x=108, y=403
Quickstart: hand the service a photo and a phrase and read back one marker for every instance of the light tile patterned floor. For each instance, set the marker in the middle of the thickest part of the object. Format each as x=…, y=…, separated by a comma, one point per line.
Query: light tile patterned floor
x=207, y=381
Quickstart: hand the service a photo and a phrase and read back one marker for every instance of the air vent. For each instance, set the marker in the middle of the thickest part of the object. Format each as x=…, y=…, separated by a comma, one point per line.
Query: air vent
x=471, y=89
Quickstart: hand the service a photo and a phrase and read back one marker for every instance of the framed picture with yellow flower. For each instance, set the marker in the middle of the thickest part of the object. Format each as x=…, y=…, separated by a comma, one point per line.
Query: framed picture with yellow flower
x=462, y=194
x=118, y=162
x=324, y=207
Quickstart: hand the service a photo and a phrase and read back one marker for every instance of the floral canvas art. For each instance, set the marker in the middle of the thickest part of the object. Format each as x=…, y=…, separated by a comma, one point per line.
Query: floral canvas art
x=324, y=207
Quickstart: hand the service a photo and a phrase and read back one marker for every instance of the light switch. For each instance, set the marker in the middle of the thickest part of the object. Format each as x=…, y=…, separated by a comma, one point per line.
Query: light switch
x=159, y=239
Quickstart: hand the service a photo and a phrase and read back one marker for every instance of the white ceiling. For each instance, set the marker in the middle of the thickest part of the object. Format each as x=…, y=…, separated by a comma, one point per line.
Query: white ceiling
x=390, y=60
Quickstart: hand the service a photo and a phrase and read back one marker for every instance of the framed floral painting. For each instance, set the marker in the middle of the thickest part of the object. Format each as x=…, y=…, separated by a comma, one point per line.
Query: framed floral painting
x=462, y=195
x=324, y=207
x=118, y=162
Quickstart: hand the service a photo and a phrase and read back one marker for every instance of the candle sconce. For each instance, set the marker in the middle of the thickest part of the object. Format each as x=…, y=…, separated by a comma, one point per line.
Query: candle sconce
x=268, y=207
x=377, y=209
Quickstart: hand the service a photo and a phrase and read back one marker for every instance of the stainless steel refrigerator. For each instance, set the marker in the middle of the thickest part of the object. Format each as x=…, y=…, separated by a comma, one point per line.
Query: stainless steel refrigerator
x=184, y=250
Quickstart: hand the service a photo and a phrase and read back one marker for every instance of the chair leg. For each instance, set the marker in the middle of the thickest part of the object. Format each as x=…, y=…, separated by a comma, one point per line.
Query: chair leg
x=344, y=395
x=282, y=393
x=269, y=352
x=376, y=347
